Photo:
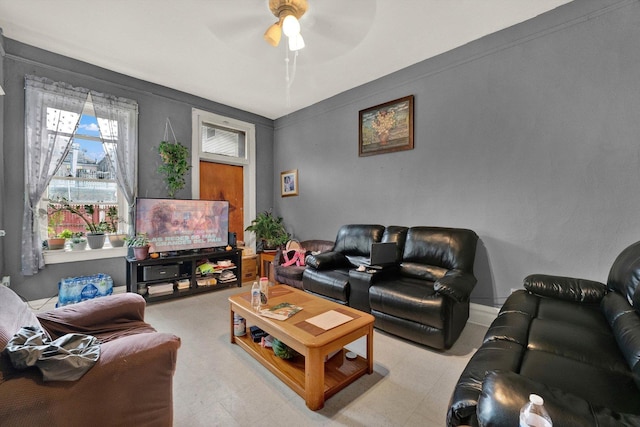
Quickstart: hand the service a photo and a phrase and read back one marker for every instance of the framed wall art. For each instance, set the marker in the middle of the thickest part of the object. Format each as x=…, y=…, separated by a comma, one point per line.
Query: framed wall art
x=386, y=127
x=289, y=183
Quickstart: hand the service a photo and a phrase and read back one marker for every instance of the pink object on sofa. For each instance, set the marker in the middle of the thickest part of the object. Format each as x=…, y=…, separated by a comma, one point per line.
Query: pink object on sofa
x=290, y=273
x=131, y=383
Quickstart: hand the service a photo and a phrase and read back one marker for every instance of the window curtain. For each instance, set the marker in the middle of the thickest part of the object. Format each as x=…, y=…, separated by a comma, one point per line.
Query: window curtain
x=52, y=114
x=118, y=121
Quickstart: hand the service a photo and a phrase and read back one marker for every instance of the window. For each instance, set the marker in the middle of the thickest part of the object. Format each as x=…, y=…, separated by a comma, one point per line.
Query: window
x=87, y=175
x=65, y=129
x=222, y=141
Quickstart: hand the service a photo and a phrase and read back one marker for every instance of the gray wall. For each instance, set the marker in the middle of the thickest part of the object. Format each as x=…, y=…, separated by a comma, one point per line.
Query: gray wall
x=155, y=104
x=530, y=137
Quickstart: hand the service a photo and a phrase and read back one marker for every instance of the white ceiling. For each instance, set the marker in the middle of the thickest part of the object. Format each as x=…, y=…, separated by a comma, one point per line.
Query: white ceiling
x=214, y=48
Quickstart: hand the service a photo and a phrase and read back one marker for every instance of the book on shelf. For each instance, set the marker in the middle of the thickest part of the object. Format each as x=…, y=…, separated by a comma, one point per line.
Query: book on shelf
x=282, y=311
x=160, y=289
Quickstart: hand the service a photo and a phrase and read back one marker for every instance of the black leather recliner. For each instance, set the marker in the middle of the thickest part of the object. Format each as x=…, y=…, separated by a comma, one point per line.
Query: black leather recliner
x=328, y=275
x=423, y=298
x=575, y=342
x=427, y=299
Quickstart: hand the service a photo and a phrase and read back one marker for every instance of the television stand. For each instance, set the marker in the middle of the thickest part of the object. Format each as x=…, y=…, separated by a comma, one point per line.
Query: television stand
x=141, y=275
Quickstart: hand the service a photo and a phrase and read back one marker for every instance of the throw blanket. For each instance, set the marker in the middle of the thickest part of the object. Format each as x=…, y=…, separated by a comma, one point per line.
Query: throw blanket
x=66, y=359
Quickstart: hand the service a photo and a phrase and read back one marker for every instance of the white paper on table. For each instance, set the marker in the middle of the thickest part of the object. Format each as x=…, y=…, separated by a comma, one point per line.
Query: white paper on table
x=329, y=319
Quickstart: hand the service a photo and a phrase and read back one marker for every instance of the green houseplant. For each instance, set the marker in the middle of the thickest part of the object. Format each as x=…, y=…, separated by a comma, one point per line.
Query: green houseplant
x=95, y=236
x=77, y=241
x=140, y=245
x=270, y=230
x=116, y=239
x=174, y=165
x=55, y=241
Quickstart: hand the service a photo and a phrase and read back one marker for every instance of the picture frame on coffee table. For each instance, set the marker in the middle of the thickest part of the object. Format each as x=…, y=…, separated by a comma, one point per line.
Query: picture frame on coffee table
x=386, y=127
x=289, y=183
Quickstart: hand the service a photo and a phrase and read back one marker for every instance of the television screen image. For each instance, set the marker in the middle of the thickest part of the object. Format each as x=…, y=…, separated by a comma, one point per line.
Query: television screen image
x=180, y=224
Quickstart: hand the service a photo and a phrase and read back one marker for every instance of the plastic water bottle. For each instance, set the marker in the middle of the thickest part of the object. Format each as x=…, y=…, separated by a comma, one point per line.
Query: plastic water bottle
x=533, y=413
x=264, y=290
x=255, y=297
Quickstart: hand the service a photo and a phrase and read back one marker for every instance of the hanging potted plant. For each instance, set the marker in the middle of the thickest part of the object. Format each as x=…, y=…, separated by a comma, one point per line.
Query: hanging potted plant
x=95, y=236
x=270, y=230
x=174, y=161
x=140, y=245
x=174, y=165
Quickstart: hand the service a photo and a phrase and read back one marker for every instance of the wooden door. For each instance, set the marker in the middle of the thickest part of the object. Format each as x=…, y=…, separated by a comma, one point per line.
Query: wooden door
x=225, y=182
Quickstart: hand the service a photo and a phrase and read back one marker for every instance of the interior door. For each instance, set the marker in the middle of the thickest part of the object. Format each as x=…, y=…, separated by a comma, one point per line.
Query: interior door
x=225, y=182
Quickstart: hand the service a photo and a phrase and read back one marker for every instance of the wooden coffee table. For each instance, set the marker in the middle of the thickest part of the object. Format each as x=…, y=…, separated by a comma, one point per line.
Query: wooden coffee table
x=308, y=375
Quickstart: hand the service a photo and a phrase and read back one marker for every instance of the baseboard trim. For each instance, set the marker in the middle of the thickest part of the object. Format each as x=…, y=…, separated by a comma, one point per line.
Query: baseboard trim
x=482, y=314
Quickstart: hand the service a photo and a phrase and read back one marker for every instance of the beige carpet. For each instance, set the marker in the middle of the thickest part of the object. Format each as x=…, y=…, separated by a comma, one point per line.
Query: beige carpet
x=218, y=384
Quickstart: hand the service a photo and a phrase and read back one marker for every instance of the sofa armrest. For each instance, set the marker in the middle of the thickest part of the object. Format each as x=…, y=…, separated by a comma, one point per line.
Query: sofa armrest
x=327, y=261
x=113, y=312
x=565, y=288
x=565, y=409
x=134, y=377
x=456, y=284
x=277, y=259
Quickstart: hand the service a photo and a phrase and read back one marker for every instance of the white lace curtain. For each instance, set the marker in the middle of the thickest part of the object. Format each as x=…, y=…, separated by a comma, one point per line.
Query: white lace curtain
x=52, y=114
x=117, y=120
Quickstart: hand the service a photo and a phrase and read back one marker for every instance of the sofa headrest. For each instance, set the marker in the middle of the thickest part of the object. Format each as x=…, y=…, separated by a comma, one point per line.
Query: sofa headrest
x=398, y=235
x=625, y=275
x=317, y=245
x=356, y=239
x=450, y=248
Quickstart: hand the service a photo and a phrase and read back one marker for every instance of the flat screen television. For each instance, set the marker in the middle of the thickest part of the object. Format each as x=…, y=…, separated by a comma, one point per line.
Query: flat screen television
x=179, y=224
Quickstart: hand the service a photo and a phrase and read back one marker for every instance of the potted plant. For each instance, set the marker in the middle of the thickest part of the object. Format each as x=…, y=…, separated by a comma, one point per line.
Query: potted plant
x=54, y=240
x=77, y=242
x=140, y=245
x=95, y=236
x=116, y=239
x=270, y=230
x=174, y=165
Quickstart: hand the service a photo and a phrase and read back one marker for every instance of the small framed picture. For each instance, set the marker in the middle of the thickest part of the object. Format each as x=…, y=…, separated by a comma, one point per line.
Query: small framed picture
x=289, y=183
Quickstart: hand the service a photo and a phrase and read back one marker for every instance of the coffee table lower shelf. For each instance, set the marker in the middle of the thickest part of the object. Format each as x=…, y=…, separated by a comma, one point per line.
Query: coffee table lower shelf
x=338, y=371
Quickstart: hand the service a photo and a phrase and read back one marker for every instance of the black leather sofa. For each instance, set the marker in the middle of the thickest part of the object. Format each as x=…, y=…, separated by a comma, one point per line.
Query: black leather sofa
x=423, y=297
x=574, y=342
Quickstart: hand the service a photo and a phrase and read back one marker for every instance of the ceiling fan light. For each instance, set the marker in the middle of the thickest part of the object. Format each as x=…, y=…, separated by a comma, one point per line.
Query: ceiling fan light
x=273, y=34
x=290, y=26
x=296, y=42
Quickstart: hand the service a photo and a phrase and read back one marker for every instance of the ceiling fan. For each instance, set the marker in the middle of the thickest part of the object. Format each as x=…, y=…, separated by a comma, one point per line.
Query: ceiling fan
x=288, y=13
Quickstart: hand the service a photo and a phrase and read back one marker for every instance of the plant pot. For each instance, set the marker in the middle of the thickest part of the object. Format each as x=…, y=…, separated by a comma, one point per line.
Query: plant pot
x=95, y=240
x=117, y=240
x=79, y=246
x=141, y=252
x=56, y=243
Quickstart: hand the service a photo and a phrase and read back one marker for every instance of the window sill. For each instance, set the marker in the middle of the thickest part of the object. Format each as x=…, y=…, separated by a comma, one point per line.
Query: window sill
x=62, y=256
